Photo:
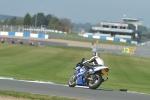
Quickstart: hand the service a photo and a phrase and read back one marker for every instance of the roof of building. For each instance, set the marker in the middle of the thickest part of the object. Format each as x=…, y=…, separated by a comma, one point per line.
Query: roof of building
x=116, y=22
x=130, y=18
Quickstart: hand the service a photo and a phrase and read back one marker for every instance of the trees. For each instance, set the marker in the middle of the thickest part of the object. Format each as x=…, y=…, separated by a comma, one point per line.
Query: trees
x=19, y=21
x=54, y=23
x=6, y=22
x=65, y=22
x=13, y=21
x=50, y=21
x=91, y=30
x=40, y=19
x=1, y=21
x=141, y=27
x=27, y=20
x=33, y=19
x=148, y=35
x=47, y=19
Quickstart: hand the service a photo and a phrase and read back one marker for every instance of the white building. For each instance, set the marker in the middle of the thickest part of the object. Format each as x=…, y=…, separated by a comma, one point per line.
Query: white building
x=126, y=29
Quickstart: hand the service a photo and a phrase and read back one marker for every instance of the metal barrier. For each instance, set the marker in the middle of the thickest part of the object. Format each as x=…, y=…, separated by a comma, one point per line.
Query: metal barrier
x=24, y=34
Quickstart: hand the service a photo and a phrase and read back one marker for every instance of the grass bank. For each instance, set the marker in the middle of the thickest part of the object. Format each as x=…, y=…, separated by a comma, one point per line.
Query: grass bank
x=29, y=96
x=55, y=64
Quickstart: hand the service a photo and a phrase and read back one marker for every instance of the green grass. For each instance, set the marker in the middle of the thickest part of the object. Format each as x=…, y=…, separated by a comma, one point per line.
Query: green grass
x=32, y=96
x=55, y=64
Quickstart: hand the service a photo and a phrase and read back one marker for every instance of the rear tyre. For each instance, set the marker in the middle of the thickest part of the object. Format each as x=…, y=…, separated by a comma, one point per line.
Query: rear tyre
x=94, y=84
x=72, y=81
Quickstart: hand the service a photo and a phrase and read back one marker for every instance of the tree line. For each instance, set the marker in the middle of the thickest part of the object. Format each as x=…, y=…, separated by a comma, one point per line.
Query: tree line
x=37, y=20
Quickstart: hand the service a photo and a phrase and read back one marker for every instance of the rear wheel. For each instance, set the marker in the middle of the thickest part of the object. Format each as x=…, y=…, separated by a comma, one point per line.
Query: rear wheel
x=72, y=81
x=96, y=82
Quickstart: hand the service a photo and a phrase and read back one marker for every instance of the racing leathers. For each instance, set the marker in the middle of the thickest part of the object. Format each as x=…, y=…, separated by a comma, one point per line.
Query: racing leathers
x=96, y=60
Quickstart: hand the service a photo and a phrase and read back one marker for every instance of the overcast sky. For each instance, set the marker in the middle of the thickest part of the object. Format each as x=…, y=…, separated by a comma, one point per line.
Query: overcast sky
x=80, y=11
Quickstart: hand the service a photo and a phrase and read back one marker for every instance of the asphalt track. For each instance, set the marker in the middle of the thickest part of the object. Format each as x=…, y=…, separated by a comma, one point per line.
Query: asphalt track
x=64, y=90
x=34, y=40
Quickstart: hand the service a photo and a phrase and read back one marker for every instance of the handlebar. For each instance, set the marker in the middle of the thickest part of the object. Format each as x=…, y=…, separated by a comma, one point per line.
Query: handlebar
x=82, y=60
x=80, y=63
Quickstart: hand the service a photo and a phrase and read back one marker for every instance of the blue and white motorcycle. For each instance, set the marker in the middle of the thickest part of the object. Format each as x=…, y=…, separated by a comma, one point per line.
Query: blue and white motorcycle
x=97, y=75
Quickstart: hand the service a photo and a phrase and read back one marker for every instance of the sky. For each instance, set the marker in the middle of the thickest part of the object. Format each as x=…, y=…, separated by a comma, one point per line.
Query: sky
x=80, y=11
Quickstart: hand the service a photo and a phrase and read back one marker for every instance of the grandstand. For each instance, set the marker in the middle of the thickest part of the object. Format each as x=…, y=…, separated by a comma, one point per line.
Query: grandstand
x=128, y=29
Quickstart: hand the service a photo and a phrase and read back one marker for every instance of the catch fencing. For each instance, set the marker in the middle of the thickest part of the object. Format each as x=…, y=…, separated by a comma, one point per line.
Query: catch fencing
x=141, y=50
x=31, y=29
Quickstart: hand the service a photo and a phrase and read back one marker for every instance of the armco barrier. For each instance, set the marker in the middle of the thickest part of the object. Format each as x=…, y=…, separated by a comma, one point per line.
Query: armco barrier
x=41, y=36
x=117, y=39
x=26, y=34
x=11, y=33
x=103, y=37
x=90, y=36
x=20, y=34
x=108, y=38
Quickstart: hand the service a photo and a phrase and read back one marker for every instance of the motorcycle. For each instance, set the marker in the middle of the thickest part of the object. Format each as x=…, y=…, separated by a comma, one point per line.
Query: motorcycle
x=97, y=75
x=12, y=42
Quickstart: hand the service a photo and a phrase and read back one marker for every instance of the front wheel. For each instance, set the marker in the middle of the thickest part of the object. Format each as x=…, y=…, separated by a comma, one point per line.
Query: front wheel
x=94, y=84
x=72, y=81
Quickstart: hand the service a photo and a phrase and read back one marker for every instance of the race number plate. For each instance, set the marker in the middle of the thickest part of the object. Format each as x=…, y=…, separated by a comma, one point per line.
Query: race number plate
x=104, y=72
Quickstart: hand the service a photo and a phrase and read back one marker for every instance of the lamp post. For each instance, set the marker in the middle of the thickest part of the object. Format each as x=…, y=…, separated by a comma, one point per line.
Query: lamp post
x=3, y=28
x=43, y=27
x=35, y=20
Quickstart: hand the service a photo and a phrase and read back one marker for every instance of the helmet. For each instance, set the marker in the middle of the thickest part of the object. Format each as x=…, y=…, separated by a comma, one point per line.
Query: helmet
x=96, y=54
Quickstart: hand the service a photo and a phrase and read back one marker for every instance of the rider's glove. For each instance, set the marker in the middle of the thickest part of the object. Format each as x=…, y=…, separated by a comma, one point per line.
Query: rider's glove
x=79, y=64
x=85, y=62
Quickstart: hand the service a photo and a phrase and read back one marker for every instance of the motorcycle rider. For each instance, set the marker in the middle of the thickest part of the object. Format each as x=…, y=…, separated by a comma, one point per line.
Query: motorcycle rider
x=96, y=60
x=12, y=41
x=2, y=40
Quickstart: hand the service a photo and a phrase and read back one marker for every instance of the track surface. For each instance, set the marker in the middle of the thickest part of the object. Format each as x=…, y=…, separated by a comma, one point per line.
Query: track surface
x=66, y=91
x=48, y=42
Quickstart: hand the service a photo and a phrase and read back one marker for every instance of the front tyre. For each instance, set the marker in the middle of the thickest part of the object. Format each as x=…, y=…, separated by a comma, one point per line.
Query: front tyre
x=72, y=81
x=94, y=84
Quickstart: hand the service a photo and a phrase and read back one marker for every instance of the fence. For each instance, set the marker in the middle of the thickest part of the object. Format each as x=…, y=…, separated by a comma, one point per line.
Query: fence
x=38, y=30
x=141, y=50
x=116, y=49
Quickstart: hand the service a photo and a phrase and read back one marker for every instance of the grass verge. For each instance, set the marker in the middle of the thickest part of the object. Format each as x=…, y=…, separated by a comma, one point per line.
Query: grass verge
x=29, y=96
x=55, y=64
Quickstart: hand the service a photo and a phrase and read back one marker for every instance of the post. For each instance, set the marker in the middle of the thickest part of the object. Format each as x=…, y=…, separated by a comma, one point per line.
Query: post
x=35, y=20
x=30, y=29
x=97, y=46
x=19, y=29
x=11, y=28
x=3, y=28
